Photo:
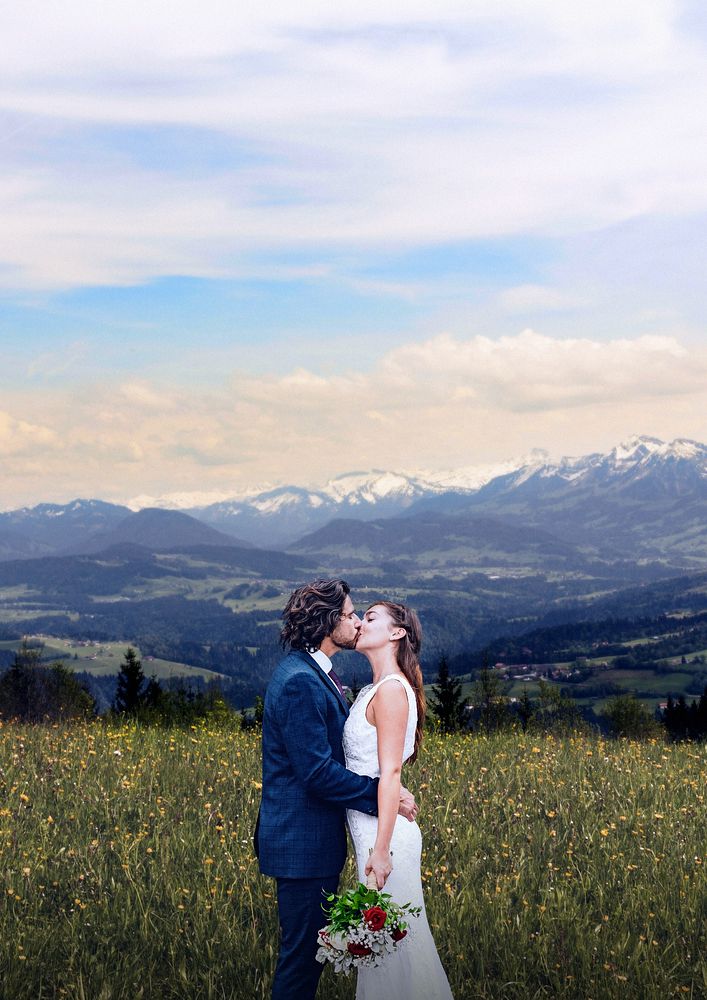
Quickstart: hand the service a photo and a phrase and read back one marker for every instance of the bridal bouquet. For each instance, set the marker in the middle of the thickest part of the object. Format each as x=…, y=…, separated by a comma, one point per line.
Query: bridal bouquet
x=364, y=926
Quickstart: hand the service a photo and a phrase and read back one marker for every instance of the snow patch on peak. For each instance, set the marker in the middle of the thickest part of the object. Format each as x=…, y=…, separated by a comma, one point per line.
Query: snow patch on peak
x=684, y=448
x=629, y=450
x=643, y=450
x=83, y=504
x=189, y=500
x=370, y=487
x=538, y=465
x=472, y=477
x=284, y=497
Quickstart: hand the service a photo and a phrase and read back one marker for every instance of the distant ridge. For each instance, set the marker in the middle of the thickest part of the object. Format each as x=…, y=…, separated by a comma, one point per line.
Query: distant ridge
x=158, y=530
x=50, y=528
x=433, y=538
x=646, y=497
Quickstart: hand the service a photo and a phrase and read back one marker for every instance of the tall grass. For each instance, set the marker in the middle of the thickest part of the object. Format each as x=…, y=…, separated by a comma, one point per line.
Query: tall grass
x=567, y=868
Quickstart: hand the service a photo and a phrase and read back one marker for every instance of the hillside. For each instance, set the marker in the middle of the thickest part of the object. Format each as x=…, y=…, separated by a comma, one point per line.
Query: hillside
x=156, y=530
x=643, y=500
x=446, y=542
x=50, y=528
x=653, y=656
x=104, y=658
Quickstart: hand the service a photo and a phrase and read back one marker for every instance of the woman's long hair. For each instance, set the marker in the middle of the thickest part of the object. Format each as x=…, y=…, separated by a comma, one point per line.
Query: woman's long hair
x=312, y=613
x=407, y=651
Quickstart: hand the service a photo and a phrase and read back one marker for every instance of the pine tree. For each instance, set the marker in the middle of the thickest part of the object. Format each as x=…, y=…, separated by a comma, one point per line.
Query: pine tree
x=131, y=682
x=555, y=711
x=629, y=717
x=35, y=692
x=490, y=702
x=448, y=704
x=525, y=709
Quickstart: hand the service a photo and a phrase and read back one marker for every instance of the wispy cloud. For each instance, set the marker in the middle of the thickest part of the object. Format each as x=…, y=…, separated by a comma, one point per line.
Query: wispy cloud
x=53, y=364
x=349, y=126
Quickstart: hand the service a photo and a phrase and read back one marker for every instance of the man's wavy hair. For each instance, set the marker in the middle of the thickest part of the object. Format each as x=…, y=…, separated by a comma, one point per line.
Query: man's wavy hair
x=312, y=613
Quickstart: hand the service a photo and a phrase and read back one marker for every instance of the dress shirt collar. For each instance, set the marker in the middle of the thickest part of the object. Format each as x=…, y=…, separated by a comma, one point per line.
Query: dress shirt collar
x=322, y=660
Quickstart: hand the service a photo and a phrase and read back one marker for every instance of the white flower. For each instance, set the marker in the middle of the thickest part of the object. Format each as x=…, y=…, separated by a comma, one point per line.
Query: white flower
x=338, y=941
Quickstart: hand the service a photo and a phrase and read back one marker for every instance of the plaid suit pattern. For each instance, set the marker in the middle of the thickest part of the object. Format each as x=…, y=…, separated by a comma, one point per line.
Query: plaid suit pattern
x=306, y=787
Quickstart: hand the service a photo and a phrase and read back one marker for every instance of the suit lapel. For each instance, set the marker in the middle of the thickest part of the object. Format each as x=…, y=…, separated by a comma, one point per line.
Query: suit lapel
x=332, y=688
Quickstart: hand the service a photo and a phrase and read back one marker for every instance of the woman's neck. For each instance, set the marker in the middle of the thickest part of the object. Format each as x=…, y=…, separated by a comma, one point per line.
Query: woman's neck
x=383, y=663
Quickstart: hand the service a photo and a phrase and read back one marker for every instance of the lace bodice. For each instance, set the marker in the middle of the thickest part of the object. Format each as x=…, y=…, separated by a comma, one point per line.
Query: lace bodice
x=360, y=738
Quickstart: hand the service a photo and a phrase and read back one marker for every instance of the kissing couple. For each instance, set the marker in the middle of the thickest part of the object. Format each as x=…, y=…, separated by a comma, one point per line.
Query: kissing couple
x=325, y=766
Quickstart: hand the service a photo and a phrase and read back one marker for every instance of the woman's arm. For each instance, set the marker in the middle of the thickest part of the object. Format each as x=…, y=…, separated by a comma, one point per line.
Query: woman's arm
x=389, y=709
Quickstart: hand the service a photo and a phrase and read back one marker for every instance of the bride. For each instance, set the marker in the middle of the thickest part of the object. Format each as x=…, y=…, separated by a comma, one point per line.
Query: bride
x=383, y=730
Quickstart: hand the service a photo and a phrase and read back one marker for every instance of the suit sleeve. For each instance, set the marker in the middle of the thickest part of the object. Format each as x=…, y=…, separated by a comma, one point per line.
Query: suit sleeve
x=302, y=717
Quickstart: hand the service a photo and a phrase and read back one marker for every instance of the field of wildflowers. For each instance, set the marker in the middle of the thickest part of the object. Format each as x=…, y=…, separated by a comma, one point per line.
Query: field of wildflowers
x=571, y=868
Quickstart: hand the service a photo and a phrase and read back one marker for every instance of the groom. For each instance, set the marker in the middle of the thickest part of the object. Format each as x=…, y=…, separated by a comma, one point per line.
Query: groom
x=300, y=838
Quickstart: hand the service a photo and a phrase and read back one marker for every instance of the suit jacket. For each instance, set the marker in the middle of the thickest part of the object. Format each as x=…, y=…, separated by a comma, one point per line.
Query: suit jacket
x=301, y=830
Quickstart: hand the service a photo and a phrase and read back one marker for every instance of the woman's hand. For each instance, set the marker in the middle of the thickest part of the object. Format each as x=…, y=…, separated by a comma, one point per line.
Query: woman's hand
x=381, y=863
x=408, y=807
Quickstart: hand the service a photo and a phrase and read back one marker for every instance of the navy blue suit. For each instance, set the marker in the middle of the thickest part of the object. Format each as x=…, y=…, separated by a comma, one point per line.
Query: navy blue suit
x=301, y=834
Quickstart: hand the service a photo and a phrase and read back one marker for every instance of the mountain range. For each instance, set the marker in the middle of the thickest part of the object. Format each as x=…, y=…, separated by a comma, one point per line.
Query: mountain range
x=644, y=500
x=479, y=555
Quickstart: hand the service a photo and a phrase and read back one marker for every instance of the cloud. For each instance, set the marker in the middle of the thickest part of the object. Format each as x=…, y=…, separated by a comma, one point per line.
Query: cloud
x=333, y=127
x=145, y=396
x=19, y=437
x=54, y=364
x=448, y=401
x=534, y=372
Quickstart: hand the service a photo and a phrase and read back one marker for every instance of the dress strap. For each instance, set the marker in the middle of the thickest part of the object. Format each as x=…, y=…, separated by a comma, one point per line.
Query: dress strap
x=393, y=677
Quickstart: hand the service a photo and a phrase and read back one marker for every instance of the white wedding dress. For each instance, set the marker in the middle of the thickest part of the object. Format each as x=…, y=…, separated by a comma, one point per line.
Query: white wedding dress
x=414, y=972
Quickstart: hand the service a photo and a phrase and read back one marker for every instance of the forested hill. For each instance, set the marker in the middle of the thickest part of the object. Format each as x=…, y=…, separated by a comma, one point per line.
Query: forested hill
x=643, y=639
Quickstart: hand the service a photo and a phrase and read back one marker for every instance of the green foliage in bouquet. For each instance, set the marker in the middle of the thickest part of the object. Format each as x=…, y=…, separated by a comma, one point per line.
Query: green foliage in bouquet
x=347, y=908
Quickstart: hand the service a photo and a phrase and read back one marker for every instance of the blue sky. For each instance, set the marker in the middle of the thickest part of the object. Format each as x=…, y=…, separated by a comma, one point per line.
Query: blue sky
x=245, y=247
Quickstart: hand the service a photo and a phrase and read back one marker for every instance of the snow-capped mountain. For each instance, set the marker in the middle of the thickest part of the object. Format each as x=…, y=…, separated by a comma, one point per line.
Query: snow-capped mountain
x=356, y=488
x=646, y=498
x=472, y=477
x=639, y=491
x=189, y=499
x=641, y=468
x=277, y=517
x=638, y=465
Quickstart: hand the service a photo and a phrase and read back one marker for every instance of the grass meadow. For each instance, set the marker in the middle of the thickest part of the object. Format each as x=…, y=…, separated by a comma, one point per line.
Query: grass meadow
x=571, y=867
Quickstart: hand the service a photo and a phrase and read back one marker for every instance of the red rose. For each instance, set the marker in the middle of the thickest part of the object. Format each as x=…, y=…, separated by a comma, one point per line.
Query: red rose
x=398, y=934
x=374, y=918
x=358, y=949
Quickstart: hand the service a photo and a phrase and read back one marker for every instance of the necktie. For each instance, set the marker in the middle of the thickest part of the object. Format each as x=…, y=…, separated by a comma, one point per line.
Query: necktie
x=338, y=683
